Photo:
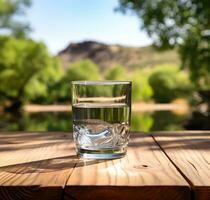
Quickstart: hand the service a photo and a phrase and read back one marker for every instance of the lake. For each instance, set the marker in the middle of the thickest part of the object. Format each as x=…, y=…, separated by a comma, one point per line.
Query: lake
x=62, y=121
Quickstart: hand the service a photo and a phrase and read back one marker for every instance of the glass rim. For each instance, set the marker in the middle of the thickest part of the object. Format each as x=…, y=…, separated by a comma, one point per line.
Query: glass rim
x=114, y=82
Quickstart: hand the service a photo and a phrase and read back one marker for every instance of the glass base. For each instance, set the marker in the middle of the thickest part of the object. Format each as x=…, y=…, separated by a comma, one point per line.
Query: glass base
x=102, y=153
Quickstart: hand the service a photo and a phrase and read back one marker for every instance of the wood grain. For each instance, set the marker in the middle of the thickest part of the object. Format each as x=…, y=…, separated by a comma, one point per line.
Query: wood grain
x=190, y=152
x=35, y=165
x=145, y=173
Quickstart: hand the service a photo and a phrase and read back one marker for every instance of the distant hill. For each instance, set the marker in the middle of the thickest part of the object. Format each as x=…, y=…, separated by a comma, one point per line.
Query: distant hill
x=108, y=55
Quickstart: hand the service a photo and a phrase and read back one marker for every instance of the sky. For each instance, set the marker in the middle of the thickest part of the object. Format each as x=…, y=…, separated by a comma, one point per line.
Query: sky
x=59, y=22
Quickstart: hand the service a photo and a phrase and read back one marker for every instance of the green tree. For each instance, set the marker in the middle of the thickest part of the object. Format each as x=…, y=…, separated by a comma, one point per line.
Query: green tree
x=25, y=69
x=83, y=70
x=79, y=70
x=141, y=90
x=117, y=72
x=168, y=82
x=181, y=24
x=9, y=9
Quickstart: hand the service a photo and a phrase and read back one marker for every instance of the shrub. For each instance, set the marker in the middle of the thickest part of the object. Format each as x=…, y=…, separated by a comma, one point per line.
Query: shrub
x=117, y=72
x=141, y=90
x=80, y=70
x=83, y=70
x=168, y=83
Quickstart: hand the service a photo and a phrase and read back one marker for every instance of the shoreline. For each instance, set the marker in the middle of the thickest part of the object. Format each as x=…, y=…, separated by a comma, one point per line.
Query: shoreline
x=181, y=107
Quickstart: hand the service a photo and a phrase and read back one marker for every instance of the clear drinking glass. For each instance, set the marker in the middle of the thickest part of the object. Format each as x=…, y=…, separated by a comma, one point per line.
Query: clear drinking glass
x=101, y=118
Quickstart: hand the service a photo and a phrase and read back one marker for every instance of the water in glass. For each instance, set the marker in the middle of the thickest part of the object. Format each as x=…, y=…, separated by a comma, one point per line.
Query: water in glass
x=101, y=129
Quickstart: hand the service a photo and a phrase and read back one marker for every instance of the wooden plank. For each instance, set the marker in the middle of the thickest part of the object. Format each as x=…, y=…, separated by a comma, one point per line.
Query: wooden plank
x=190, y=152
x=35, y=165
x=145, y=173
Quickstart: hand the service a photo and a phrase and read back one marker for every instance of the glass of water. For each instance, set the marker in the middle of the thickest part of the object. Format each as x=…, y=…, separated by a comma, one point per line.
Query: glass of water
x=101, y=118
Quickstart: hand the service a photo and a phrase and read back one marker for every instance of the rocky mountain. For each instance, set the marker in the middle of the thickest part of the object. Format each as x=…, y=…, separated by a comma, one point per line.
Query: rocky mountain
x=108, y=55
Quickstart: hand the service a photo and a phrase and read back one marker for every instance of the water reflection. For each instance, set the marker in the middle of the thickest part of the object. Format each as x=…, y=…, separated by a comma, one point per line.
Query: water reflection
x=62, y=121
x=142, y=122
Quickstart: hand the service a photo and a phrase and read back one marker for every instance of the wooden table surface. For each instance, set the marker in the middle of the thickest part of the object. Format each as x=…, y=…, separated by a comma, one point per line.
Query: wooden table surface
x=158, y=166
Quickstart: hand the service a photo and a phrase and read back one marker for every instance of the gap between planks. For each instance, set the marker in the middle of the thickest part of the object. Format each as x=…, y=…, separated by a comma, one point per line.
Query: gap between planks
x=178, y=169
x=145, y=172
x=189, y=153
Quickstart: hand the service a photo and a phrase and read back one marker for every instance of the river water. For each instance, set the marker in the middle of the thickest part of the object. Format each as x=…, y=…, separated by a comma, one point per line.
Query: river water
x=62, y=121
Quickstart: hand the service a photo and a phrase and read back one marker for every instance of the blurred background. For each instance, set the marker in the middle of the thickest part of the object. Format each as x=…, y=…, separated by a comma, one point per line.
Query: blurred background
x=162, y=46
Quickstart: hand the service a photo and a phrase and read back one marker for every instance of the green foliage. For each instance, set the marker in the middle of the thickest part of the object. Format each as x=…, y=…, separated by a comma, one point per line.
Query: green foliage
x=40, y=121
x=141, y=122
x=182, y=24
x=141, y=90
x=169, y=83
x=25, y=70
x=9, y=9
x=83, y=70
x=45, y=121
x=168, y=121
x=117, y=72
x=80, y=70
